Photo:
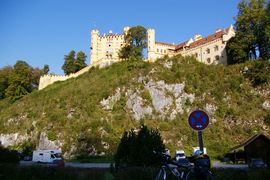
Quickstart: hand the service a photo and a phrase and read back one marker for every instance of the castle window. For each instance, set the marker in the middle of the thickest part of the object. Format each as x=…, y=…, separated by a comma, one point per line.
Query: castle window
x=157, y=50
x=217, y=58
x=164, y=51
x=161, y=51
x=196, y=55
x=209, y=60
x=216, y=48
x=208, y=51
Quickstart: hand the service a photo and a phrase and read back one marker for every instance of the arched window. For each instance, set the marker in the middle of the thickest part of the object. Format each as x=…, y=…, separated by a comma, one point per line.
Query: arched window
x=216, y=48
x=208, y=60
x=157, y=50
x=196, y=55
x=208, y=51
x=217, y=58
x=161, y=51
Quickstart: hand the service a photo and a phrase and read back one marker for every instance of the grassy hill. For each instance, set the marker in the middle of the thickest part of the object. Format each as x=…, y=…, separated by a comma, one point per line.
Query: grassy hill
x=72, y=112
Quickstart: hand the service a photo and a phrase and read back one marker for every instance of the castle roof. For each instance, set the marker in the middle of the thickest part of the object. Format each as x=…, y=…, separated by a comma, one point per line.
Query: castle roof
x=212, y=37
x=181, y=45
x=166, y=44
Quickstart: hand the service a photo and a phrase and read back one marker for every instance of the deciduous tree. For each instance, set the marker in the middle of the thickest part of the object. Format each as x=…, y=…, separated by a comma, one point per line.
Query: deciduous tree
x=250, y=41
x=135, y=43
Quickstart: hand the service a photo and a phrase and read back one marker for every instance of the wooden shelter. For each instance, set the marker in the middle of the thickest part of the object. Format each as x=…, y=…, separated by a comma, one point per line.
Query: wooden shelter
x=258, y=146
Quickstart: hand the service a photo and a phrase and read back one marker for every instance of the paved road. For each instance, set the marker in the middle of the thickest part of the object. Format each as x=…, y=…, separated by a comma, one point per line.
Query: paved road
x=218, y=165
x=70, y=164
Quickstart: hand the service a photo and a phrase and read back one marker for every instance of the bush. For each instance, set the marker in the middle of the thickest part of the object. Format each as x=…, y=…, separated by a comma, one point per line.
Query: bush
x=259, y=73
x=8, y=156
x=267, y=118
x=137, y=149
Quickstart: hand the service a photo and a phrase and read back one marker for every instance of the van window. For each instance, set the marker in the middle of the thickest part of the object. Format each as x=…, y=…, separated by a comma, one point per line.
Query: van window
x=41, y=154
x=52, y=156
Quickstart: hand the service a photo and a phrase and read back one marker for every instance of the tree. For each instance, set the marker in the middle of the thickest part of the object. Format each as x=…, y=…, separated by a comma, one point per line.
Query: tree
x=68, y=66
x=137, y=149
x=250, y=41
x=135, y=43
x=80, y=61
x=74, y=63
x=19, y=81
x=46, y=69
x=4, y=74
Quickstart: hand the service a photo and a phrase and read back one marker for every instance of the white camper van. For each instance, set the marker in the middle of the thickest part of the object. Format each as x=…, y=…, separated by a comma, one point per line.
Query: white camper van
x=47, y=156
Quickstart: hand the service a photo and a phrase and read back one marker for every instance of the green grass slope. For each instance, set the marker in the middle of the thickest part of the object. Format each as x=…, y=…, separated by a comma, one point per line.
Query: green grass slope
x=71, y=112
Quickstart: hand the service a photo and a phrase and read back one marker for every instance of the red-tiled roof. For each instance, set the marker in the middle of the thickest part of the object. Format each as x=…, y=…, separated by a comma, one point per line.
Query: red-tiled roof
x=181, y=45
x=207, y=39
x=165, y=44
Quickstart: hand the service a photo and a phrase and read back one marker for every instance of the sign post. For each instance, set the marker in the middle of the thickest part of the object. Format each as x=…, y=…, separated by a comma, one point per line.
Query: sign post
x=198, y=120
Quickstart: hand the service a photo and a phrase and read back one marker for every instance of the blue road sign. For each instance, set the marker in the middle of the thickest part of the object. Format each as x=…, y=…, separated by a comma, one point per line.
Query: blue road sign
x=198, y=120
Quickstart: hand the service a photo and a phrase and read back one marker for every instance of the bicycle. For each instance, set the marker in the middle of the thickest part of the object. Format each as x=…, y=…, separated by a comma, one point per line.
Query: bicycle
x=183, y=169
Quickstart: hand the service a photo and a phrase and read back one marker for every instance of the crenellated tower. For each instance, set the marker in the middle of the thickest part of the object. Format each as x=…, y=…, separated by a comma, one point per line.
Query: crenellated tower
x=94, y=45
x=151, y=44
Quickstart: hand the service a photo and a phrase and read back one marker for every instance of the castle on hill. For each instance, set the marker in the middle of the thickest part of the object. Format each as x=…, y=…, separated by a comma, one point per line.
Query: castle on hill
x=104, y=50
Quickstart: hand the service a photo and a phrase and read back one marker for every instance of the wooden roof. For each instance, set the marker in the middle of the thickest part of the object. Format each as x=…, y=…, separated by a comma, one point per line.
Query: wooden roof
x=250, y=140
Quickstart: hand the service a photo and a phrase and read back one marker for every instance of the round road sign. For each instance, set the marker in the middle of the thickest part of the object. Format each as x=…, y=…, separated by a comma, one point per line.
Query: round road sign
x=198, y=120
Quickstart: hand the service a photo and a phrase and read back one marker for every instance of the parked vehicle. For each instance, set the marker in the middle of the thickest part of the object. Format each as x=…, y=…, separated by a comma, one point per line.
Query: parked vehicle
x=180, y=154
x=194, y=149
x=48, y=156
x=257, y=163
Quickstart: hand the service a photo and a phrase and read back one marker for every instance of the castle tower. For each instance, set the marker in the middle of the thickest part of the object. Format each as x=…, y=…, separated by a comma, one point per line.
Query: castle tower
x=151, y=44
x=94, y=46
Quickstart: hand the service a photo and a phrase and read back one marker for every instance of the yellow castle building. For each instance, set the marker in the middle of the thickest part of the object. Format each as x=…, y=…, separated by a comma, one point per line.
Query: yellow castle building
x=208, y=50
x=105, y=48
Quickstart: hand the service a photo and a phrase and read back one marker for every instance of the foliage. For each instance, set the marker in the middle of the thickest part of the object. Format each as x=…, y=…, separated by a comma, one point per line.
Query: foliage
x=252, y=35
x=137, y=149
x=267, y=118
x=73, y=64
x=8, y=156
x=46, y=69
x=135, y=43
x=259, y=73
x=4, y=74
x=19, y=80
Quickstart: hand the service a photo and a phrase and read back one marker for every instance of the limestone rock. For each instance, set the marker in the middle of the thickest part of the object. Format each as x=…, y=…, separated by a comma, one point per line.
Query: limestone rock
x=11, y=139
x=168, y=64
x=210, y=108
x=135, y=103
x=266, y=105
x=108, y=103
x=45, y=143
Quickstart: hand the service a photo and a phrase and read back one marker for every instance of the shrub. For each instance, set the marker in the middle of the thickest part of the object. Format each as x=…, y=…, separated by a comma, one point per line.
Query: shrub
x=267, y=118
x=8, y=156
x=136, y=149
x=259, y=73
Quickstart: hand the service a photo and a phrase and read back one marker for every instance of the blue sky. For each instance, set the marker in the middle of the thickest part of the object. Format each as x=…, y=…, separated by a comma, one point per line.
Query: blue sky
x=43, y=31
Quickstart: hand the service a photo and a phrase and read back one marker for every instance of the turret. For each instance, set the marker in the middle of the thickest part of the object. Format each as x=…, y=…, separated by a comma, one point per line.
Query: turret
x=151, y=44
x=94, y=46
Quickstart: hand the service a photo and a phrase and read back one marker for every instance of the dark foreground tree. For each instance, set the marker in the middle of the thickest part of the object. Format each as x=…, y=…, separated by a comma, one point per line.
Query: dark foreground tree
x=251, y=40
x=135, y=43
x=74, y=63
x=136, y=149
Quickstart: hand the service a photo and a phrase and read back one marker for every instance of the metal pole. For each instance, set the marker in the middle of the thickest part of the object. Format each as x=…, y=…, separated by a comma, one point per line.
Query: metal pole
x=200, y=138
